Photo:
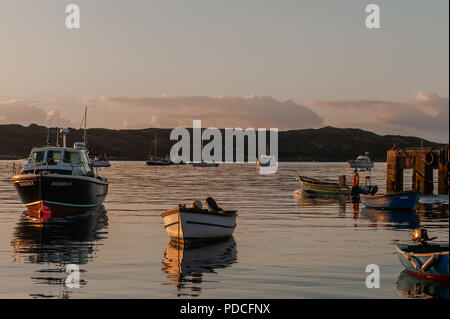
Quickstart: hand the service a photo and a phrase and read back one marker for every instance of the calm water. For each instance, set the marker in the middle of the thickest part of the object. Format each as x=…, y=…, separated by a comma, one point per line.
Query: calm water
x=284, y=246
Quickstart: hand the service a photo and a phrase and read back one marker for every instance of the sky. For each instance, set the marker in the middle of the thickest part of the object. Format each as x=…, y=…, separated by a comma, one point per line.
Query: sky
x=289, y=64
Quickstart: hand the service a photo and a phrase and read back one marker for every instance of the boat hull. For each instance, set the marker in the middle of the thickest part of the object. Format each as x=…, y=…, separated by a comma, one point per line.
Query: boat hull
x=315, y=186
x=416, y=262
x=403, y=200
x=190, y=225
x=205, y=164
x=100, y=163
x=158, y=163
x=61, y=193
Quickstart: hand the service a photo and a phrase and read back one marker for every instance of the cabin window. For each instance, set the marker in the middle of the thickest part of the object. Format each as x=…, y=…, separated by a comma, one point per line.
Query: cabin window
x=72, y=157
x=37, y=157
x=53, y=157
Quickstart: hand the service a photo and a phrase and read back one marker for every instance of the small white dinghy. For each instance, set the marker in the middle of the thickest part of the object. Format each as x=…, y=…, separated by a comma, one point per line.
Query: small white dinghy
x=184, y=224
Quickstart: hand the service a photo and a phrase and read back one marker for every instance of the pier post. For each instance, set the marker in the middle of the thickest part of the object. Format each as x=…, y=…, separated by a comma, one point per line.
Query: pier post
x=394, y=172
x=443, y=173
x=422, y=161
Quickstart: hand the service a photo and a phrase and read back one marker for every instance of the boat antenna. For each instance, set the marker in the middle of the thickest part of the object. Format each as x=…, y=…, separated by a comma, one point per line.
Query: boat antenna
x=84, y=120
x=85, y=130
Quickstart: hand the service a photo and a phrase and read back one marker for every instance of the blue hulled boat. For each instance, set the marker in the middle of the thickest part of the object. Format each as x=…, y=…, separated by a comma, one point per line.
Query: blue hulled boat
x=403, y=200
x=429, y=261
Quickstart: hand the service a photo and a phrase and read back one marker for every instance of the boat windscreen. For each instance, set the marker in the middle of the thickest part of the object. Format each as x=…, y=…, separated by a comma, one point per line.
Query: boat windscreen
x=36, y=157
x=53, y=157
x=72, y=157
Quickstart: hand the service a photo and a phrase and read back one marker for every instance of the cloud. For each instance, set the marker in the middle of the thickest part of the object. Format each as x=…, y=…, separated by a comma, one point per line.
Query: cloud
x=425, y=115
x=220, y=111
x=19, y=112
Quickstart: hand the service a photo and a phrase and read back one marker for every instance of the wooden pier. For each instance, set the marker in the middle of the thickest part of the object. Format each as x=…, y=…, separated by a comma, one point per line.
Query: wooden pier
x=422, y=161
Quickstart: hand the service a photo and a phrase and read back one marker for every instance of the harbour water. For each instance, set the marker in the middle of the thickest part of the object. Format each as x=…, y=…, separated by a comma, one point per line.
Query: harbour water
x=284, y=245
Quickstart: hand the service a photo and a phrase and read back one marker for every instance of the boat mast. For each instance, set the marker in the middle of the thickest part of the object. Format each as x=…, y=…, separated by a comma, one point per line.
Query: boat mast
x=85, y=120
x=156, y=145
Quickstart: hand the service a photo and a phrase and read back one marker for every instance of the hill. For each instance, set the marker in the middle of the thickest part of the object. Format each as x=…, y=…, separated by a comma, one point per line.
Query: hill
x=324, y=144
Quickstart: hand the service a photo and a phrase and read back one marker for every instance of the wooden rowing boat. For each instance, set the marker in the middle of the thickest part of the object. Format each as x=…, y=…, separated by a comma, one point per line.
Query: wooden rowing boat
x=404, y=200
x=185, y=224
x=316, y=186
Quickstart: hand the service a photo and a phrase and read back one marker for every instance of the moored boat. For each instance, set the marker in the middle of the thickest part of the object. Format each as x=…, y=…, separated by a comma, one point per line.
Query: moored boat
x=362, y=162
x=59, y=179
x=157, y=161
x=98, y=161
x=316, y=186
x=184, y=224
x=403, y=200
x=429, y=261
x=205, y=164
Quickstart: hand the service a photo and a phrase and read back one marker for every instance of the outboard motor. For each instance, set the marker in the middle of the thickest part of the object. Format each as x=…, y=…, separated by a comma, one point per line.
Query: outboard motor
x=212, y=205
x=421, y=236
x=373, y=190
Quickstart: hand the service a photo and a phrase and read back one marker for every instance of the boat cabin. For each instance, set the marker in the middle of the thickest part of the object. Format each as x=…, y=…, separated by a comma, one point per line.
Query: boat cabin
x=59, y=160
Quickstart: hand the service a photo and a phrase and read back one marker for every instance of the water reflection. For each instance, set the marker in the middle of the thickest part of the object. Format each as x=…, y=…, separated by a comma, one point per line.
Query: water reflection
x=305, y=201
x=185, y=266
x=390, y=218
x=413, y=287
x=57, y=242
x=437, y=212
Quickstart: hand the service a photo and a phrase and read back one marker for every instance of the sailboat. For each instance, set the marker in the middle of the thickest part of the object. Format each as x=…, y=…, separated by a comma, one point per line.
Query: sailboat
x=155, y=161
x=203, y=163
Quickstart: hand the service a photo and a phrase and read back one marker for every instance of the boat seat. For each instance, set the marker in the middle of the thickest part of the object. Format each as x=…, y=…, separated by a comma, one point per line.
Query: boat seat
x=212, y=205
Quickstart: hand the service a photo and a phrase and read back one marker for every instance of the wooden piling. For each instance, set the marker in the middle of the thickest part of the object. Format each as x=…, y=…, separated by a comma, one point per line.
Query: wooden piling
x=422, y=161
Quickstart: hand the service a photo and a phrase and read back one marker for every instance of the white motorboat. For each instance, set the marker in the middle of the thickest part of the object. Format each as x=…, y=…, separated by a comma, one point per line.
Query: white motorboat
x=184, y=224
x=265, y=160
x=362, y=161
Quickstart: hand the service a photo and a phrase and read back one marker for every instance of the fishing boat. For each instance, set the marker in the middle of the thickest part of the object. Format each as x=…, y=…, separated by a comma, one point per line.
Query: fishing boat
x=98, y=161
x=59, y=179
x=428, y=261
x=361, y=162
x=193, y=224
x=315, y=186
x=403, y=200
x=155, y=161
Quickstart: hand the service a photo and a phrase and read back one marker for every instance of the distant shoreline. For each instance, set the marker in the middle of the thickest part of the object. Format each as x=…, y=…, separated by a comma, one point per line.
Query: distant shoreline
x=327, y=144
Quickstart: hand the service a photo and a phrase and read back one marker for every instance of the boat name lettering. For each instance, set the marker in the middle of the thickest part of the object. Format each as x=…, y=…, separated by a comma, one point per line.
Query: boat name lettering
x=62, y=184
x=30, y=183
